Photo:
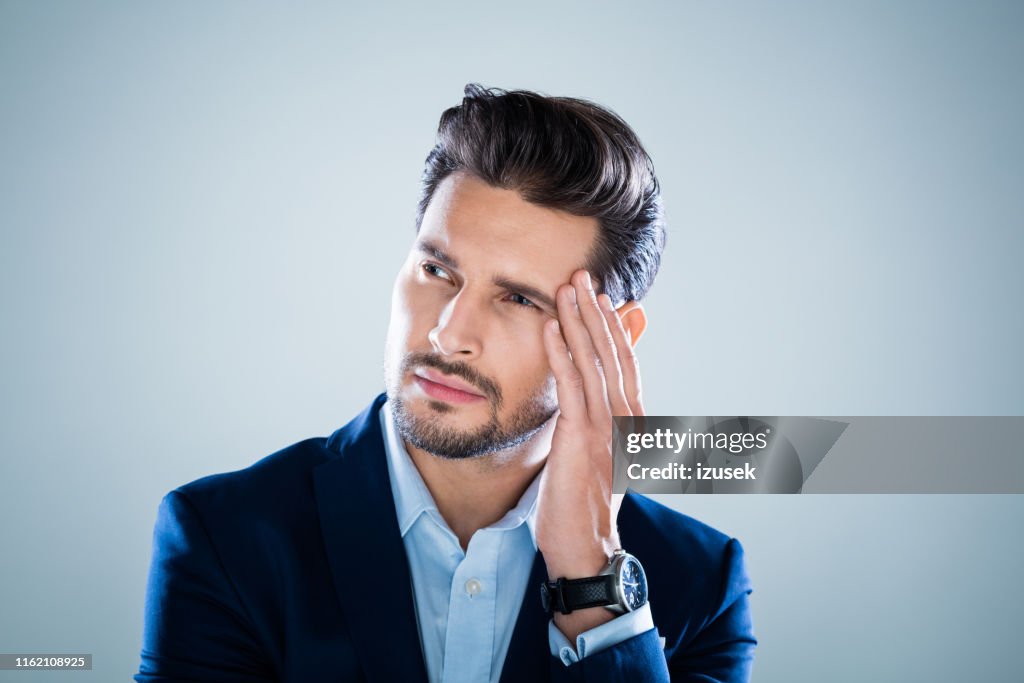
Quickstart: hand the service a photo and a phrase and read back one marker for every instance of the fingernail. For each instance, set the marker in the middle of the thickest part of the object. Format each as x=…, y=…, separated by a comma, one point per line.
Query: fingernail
x=606, y=301
x=586, y=280
x=572, y=294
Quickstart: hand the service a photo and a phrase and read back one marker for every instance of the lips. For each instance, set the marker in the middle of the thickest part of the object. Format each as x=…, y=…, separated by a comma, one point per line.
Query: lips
x=445, y=387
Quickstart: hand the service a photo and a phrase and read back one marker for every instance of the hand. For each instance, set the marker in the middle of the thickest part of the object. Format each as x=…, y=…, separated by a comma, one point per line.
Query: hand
x=597, y=377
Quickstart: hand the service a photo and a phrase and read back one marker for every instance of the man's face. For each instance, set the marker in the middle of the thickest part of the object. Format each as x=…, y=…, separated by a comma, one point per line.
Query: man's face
x=465, y=366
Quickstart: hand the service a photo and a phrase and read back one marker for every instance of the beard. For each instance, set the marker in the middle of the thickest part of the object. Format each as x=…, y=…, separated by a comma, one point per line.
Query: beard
x=432, y=435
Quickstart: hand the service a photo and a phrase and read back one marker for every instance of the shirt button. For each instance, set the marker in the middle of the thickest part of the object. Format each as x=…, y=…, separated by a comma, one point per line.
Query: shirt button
x=474, y=587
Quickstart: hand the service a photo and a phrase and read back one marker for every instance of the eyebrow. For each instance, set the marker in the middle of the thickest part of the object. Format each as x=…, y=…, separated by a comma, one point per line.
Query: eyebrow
x=437, y=252
x=526, y=290
x=507, y=283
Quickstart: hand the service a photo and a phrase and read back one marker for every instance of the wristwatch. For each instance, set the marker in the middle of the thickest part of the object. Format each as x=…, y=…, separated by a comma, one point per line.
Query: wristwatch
x=621, y=587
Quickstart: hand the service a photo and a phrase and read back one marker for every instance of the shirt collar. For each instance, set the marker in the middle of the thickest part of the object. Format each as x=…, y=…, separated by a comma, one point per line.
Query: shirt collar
x=412, y=498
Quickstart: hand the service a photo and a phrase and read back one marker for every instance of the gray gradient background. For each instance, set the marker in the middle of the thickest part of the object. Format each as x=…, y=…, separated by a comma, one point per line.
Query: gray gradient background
x=203, y=206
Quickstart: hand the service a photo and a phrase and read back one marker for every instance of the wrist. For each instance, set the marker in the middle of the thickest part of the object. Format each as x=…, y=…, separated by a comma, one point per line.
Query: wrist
x=580, y=621
x=580, y=562
x=577, y=567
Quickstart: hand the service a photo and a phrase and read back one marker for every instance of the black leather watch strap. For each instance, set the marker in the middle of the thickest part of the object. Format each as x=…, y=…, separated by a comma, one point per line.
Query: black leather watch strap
x=566, y=595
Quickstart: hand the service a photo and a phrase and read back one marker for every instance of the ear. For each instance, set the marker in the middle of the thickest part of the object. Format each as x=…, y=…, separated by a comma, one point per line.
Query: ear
x=634, y=320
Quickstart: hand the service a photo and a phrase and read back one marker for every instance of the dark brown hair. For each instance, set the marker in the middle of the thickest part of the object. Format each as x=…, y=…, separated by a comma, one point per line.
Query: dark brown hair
x=562, y=153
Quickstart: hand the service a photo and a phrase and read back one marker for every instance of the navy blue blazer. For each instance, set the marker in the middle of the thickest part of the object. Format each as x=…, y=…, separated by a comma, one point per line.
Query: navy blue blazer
x=293, y=569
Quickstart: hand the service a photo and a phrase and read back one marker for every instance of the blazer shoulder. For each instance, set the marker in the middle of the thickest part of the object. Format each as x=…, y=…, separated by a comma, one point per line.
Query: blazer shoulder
x=672, y=534
x=284, y=474
x=275, y=492
x=278, y=490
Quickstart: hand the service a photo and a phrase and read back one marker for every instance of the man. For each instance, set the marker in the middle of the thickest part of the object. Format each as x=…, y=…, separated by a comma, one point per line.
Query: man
x=463, y=527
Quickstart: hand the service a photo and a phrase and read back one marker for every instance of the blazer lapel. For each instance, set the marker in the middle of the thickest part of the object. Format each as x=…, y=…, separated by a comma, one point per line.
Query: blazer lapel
x=529, y=654
x=365, y=551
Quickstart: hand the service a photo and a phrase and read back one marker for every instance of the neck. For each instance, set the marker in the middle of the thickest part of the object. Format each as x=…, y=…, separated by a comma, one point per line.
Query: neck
x=476, y=492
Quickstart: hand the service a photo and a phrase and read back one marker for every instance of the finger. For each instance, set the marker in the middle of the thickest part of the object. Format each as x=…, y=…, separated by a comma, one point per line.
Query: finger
x=568, y=382
x=603, y=342
x=584, y=356
x=629, y=365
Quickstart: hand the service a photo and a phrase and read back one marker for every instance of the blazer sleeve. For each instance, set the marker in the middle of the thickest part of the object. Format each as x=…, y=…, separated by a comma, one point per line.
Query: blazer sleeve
x=196, y=628
x=722, y=650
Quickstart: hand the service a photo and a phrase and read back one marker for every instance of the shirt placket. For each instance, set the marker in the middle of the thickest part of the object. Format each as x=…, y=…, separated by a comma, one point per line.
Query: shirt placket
x=472, y=610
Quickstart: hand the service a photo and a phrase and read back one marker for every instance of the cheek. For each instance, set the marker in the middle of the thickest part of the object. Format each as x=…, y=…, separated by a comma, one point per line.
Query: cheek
x=398, y=325
x=519, y=337
x=413, y=309
x=522, y=355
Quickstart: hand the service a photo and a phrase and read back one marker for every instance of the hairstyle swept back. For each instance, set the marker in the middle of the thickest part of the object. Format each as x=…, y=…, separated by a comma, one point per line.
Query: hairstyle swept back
x=561, y=153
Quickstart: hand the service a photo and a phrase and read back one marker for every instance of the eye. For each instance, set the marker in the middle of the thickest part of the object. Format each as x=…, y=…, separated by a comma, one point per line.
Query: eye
x=521, y=300
x=436, y=271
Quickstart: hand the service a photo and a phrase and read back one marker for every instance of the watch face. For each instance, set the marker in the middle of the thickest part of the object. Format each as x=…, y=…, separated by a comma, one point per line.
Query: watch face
x=634, y=583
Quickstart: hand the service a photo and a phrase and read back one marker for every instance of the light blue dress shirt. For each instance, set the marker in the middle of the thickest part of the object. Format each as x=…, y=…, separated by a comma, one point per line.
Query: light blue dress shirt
x=467, y=601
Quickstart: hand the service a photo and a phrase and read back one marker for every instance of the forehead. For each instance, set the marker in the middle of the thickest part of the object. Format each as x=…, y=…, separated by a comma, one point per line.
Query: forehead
x=490, y=230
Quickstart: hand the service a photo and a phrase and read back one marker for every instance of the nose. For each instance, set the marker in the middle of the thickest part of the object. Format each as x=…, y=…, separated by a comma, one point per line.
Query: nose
x=457, y=330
